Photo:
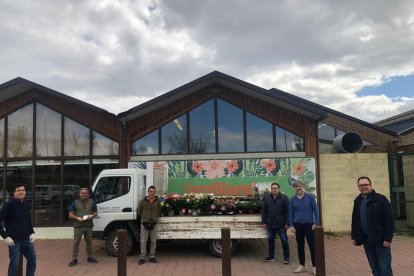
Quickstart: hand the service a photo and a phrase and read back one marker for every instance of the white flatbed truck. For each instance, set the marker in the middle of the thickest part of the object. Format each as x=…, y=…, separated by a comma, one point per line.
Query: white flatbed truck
x=118, y=193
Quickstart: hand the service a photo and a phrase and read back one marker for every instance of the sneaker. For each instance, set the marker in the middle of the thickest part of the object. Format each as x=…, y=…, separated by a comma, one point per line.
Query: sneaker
x=154, y=260
x=92, y=260
x=300, y=269
x=141, y=261
x=286, y=261
x=269, y=259
x=314, y=270
x=73, y=262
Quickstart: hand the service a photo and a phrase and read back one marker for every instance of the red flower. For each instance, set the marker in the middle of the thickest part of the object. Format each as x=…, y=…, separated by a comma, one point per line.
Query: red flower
x=232, y=166
x=299, y=168
x=268, y=164
x=197, y=167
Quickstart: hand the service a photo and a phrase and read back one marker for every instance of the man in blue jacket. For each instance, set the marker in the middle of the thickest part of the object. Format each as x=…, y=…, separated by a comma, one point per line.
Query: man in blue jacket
x=275, y=218
x=19, y=234
x=373, y=227
x=303, y=216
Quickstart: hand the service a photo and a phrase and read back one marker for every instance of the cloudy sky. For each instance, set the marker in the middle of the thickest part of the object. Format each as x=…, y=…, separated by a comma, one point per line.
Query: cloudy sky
x=353, y=56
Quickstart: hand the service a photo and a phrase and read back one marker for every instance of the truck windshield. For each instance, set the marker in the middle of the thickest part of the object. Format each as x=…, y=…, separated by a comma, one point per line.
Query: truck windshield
x=111, y=187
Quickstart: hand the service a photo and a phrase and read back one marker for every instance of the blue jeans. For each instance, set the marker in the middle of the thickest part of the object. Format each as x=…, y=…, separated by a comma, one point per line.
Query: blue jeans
x=271, y=235
x=27, y=249
x=379, y=259
x=305, y=230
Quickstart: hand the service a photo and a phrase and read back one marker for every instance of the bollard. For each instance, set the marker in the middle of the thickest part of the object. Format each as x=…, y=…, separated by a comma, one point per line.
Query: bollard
x=225, y=252
x=319, y=251
x=20, y=270
x=122, y=252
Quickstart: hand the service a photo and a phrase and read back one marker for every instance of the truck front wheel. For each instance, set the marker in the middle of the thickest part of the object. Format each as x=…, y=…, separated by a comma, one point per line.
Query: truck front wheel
x=111, y=243
x=216, y=249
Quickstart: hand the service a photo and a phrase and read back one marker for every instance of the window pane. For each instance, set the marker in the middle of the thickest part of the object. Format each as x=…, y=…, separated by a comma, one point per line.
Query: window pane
x=230, y=127
x=202, y=128
x=259, y=134
x=1, y=137
x=280, y=139
x=103, y=145
x=47, y=195
x=103, y=164
x=76, y=139
x=293, y=142
x=48, y=132
x=111, y=187
x=19, y=172
x=146, y=145
x=174, y=136
x=76, y=176
x=20, y=132
x=326, y=132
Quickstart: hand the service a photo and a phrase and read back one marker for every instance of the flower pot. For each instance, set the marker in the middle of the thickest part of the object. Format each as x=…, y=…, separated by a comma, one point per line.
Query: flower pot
x=171, y=213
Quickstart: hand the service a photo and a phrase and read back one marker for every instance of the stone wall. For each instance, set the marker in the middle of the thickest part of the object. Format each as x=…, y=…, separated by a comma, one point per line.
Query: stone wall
x=338, y=175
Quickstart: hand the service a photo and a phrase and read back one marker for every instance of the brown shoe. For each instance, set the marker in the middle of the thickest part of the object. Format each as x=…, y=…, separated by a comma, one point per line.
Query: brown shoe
x=141, y=261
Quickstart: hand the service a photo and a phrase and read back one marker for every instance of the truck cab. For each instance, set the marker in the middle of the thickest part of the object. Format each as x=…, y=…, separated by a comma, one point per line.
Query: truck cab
x=117, y=193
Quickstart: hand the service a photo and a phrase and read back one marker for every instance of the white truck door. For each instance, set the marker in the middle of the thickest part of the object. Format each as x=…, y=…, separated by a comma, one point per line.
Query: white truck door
x=114, y=195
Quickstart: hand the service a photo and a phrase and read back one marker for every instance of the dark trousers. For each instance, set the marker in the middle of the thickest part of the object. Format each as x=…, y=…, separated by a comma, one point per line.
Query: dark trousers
x=305, y=230
x=271, y=235
x=379, y=259
x=27, y=249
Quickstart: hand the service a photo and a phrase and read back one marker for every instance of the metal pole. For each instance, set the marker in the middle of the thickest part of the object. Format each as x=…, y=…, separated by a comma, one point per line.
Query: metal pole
x=226, y=252
x=319, y=251
x=122, y=252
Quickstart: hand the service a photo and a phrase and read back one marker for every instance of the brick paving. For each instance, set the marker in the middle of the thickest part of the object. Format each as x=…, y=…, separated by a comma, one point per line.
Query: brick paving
x=184, y=258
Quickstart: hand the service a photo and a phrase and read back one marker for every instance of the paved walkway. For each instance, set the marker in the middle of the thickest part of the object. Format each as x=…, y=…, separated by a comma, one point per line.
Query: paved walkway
x=193, y=258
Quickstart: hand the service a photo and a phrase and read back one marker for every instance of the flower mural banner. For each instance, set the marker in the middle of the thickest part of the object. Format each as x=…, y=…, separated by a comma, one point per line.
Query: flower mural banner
x=236, y=176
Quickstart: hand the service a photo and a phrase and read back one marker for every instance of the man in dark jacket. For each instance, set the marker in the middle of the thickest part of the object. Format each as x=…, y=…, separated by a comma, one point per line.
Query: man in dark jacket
x=19, y=234
x=275, y=218
x=149, y=211
x=373, y=227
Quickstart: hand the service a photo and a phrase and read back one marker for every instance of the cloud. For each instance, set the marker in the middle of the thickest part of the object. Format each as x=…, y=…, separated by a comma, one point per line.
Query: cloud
x=116, y=53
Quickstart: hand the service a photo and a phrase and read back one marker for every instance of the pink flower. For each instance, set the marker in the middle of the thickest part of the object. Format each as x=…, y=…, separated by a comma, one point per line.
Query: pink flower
x=232, y=166
x=268, y=164
x=299, y=168
x=197, y=167
x=213, y=207
x=214, y=169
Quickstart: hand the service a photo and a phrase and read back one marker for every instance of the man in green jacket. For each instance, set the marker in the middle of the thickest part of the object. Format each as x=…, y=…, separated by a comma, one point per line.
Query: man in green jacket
x=149, y=210
x=82, y=211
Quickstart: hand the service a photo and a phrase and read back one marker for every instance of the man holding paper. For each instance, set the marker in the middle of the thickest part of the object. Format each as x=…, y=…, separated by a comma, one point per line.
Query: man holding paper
x=82, y=211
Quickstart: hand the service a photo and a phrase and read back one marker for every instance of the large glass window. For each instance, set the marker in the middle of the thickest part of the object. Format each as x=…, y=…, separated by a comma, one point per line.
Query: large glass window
x=47, y=194
x=174, y=136
x=76, y=139
x=259, y=134
x=20, y=132
x=19, y=172
x=234, y=133
x=287, y=141
x=202, y=138
x=230, y=127
x=146, y=145
x=48, y=131
x=76, y=176
x=103, y=164
x=1, y=137
x=103, y=145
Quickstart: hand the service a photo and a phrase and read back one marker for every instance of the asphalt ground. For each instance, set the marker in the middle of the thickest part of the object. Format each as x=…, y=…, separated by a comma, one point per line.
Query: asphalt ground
x=183, y=258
